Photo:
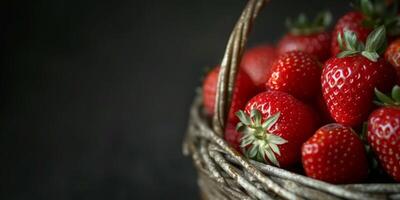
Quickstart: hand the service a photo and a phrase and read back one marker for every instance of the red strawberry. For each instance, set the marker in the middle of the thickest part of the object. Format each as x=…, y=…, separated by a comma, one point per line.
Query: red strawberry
x=352, y=21
x=243, y=91
x=392, y=55
x=257, y=61
x=348, y=81
x=384, y=132
x=371, y=14
x=307, y=36
x=296, y=73
x=274, y=126
x=335, y=154
x=232, y=136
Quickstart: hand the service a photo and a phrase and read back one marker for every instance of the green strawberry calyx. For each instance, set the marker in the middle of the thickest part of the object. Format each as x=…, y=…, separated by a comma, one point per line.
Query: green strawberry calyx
x=257, y=140
x=378, y=12
x=374, y=46
x=303, y=26
x=385, y=100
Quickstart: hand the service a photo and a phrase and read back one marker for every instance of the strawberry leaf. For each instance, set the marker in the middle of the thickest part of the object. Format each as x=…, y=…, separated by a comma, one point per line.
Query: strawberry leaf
x=245, y=119
x=363, y=135
x=383, y=98
x=376, y=39
x=303, y=26
x=302, y=20
x=340, y=41
x=372, y=56
x=323, y=18
x=350, y=39
x=246, y=140
x=260, y=157
x=271, y=121
x=271, y=156
x=396, y=93
x=378, y=103
x=256, y=116
x=366, y=7
x=347, y=53
x=275, y=148
x=253, y=151
x=276, y=139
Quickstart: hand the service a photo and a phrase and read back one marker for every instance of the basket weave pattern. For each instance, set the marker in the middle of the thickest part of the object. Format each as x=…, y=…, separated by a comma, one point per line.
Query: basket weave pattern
x=223, y=173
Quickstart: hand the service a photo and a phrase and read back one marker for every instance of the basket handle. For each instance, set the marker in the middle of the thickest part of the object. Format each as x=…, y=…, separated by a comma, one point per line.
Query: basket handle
x=229, y=66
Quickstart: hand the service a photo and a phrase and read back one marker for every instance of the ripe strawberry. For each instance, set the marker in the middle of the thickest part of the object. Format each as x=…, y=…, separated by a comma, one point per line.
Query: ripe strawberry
x=352, y=21
x=370, y=15
x=275, y=122
x=392, y=55
x=232, y=136
x=243, y=91
x=384, y=132
x=307, y=36
x=348, y=81
x=257, y=61
x=335, y=154
x=296, y=73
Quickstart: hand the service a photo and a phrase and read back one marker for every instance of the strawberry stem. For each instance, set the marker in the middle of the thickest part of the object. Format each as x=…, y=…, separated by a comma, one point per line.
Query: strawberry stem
x=258, y=141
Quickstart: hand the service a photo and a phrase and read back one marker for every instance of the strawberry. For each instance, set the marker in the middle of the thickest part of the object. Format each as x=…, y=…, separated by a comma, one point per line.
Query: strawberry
x=296, y=73
x=348, y=81
x=335, y=154
x=384, y=132
x=257, y=61
x=370, y=15
x=244, y=89
x=307, y=36
x=351, y=21
x=392, y=55
x=274, y=126
x=232, y=136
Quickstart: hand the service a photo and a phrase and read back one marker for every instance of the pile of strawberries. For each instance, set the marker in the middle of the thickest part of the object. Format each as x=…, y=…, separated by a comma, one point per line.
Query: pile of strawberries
x=318, y=96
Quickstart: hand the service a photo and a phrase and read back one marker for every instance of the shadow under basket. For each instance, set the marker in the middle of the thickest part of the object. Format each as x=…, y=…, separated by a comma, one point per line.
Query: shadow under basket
x=223, y=173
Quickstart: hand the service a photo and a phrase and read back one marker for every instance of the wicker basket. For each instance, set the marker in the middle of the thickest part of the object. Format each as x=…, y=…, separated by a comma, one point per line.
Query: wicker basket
x=223, y=173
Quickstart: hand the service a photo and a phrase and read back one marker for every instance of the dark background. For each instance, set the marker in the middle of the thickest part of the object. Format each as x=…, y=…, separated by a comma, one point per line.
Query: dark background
x=95, y=94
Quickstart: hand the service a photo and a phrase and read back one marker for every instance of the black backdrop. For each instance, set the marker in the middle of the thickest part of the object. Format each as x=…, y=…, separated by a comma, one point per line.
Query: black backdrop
x=95, y=94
